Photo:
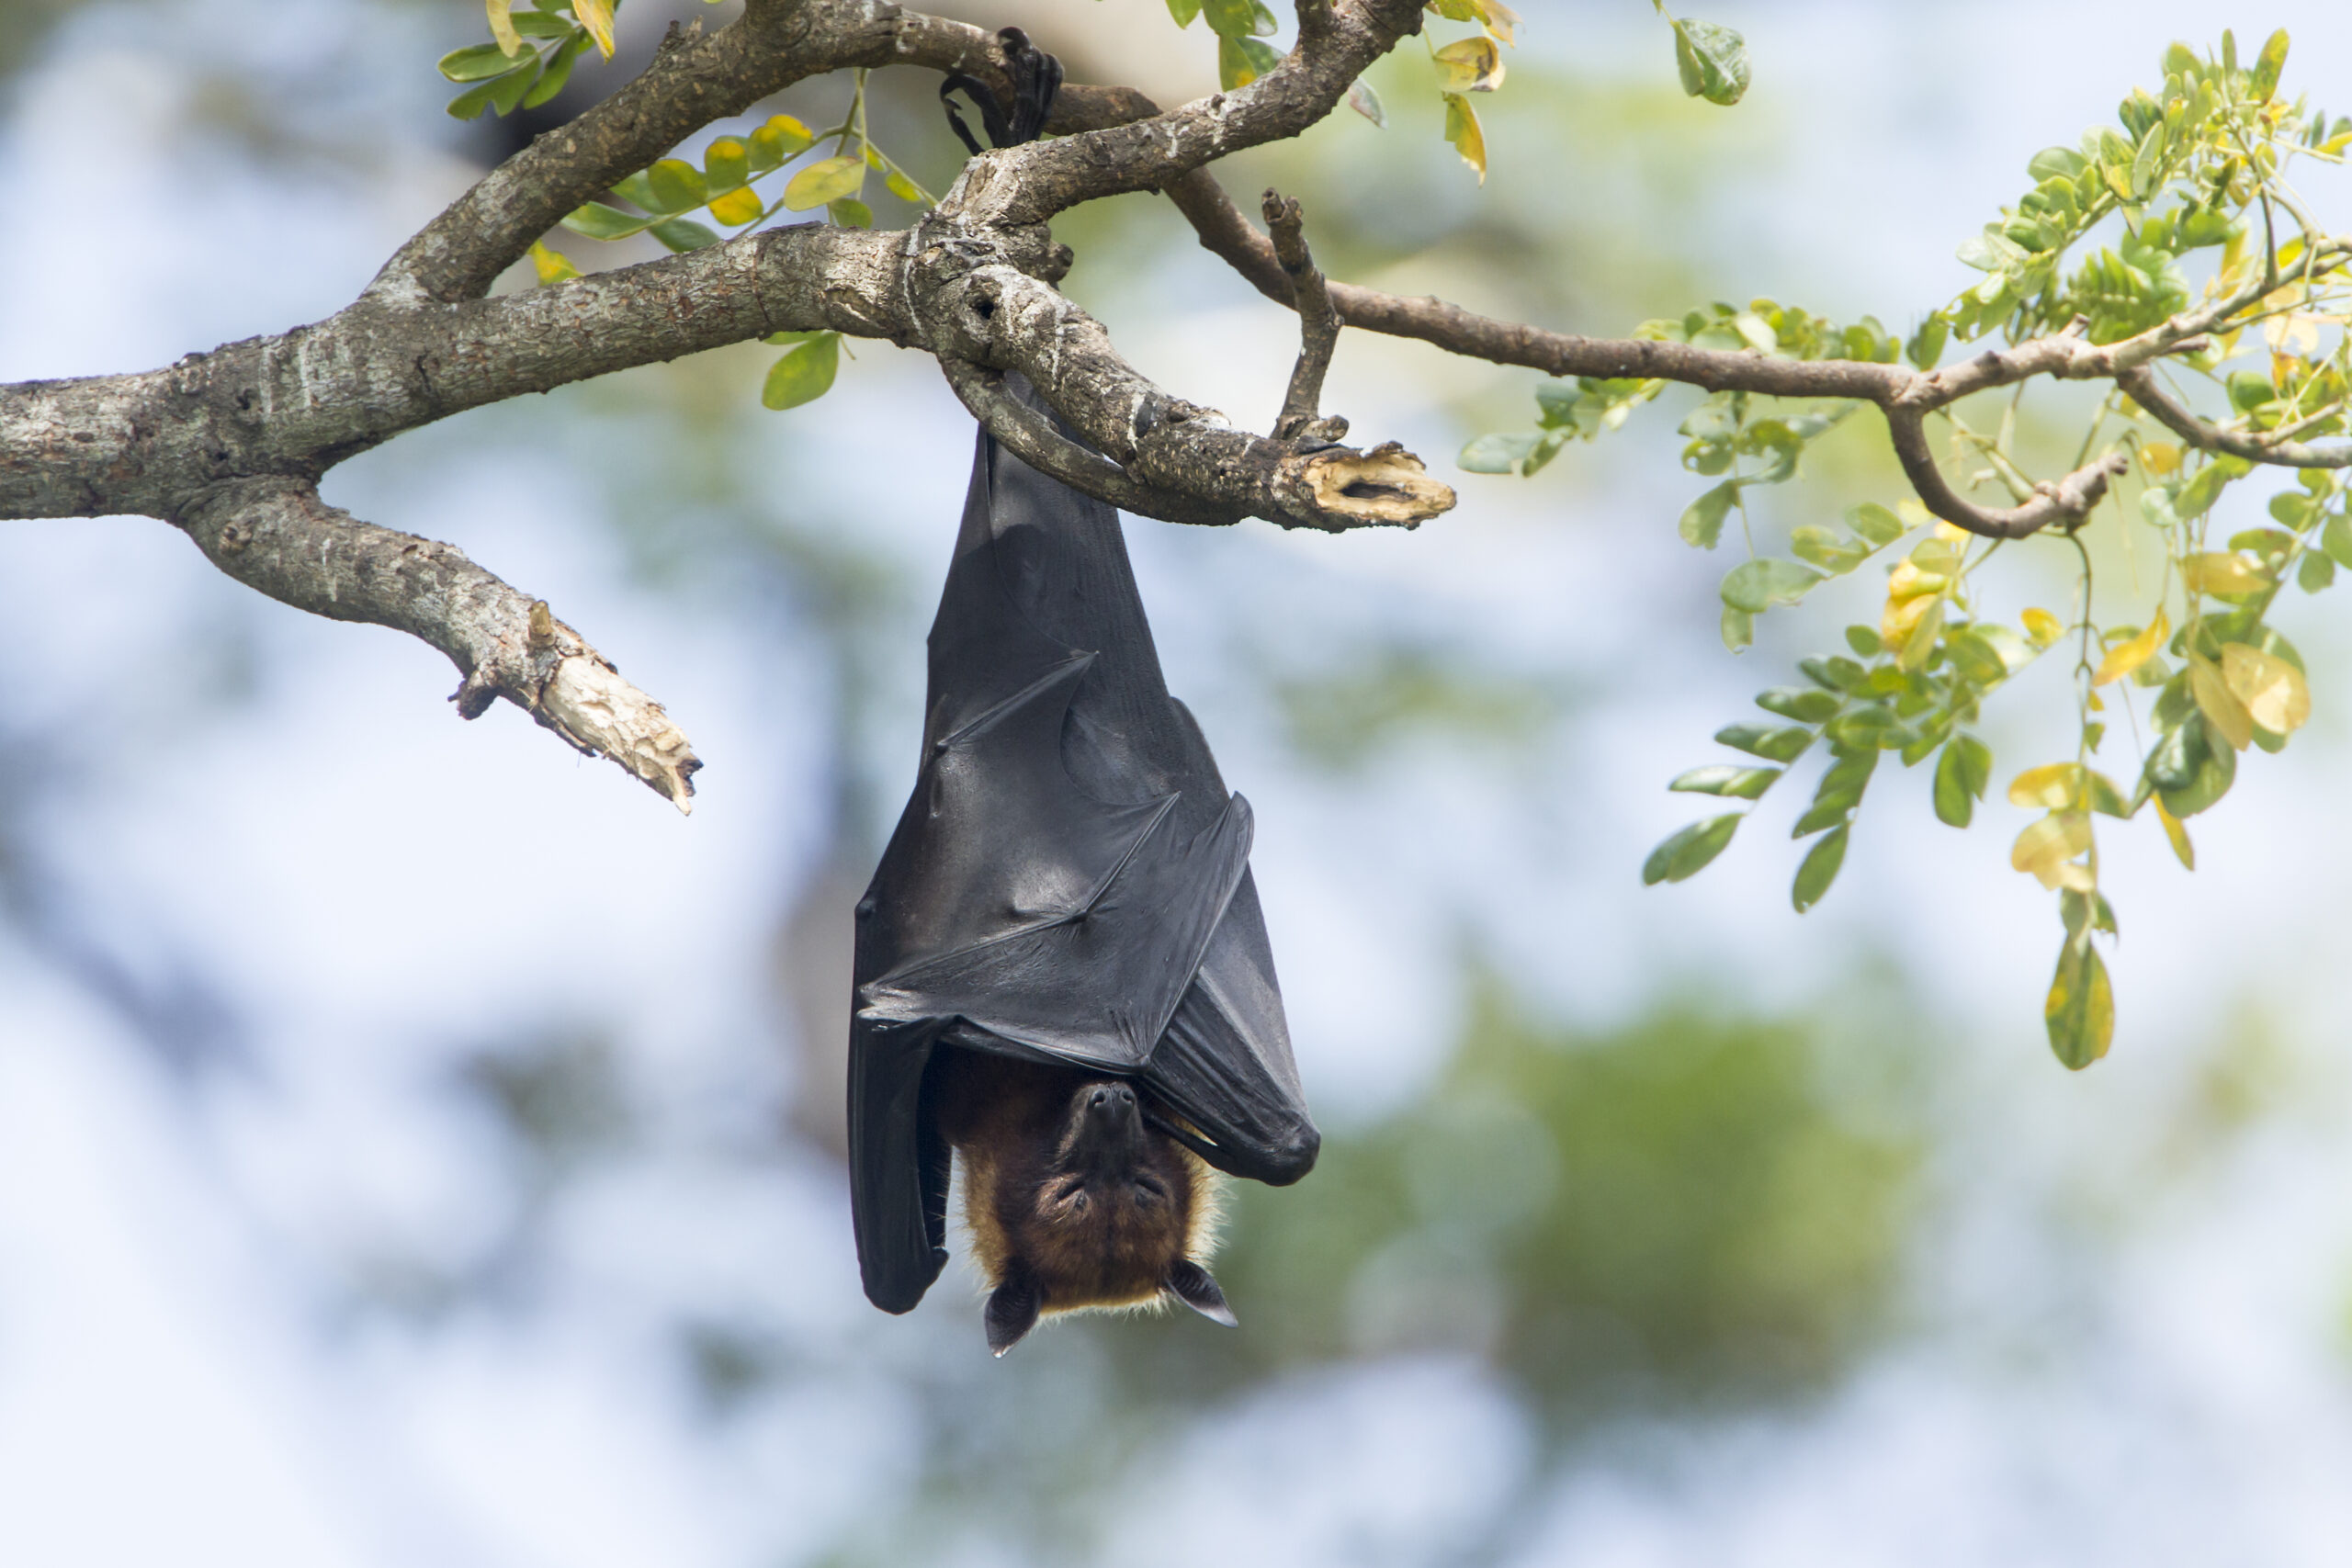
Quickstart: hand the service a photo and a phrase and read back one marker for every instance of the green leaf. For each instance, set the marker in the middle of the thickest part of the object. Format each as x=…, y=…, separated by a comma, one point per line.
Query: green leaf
x=1961, y=774
x=1864, y=641
x=476, y=62
x=1702, y=520
x=2055, y=161
x=500, y=92
x=2316, y=572
x=1832, y=813
x=1738, y=629
x=1800, y=703
x=726, y=164
x=1774, y=744
x=1236, y=18
x=782, y=139
x=599, y=222
x=507, y=92
x=677, y=185
x=1241, y=61
x=538, y=24
x=1725, y=779
x=1876, y=524
x=2198, y=494
x=1757, y=585
x=1823, y=548
x=1713, y=61
x=804, y=374
x=1836, y=674
x=1819, y=870
x=683, y=233
x=2267, y=67
x=827, y=180
x=636, y=187
x=1500, y=453
x=560, y=66
x=1184, y=11
x=1926, y=345
x=1686, y=853
x=2080, y=1011
x=2336, y=539
x=1365, y=102
x=851, y=213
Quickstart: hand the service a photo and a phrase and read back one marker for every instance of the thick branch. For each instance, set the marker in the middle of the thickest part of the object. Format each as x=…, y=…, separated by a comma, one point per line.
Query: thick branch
x=972, y=307
x=298, y=403
x=1036, y=442
x=276, y=536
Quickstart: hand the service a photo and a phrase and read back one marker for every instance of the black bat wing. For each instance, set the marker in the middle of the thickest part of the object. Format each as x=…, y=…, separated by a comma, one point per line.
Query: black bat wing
x=1069, y=883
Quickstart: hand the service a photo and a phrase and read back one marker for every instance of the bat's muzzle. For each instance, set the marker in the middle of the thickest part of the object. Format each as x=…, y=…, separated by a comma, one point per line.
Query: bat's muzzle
x=1106, y=1130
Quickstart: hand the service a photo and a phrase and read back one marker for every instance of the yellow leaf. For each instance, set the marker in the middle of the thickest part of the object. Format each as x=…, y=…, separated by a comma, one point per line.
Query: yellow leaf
x=1470, y=65
x=2220, y=705
x=2223, y=572
x=1499, y=19
x=2046, y=847
x=596, y=15
x=829, y=179
x=2052, y=786
x=2177, y=833
x=1902, y=615
x=553, y=266
x=501, y=27
x=2042, y=626
x=2161, y=457
x=2126, y=657
x=1907, y=581
x=2272, y=690
x=739, y=206
x=1462, y=130
x=1953, y=532
x=1919, y=641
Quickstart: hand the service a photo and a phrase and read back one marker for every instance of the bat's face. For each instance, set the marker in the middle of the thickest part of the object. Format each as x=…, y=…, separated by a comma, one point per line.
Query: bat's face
x=1100, y=1210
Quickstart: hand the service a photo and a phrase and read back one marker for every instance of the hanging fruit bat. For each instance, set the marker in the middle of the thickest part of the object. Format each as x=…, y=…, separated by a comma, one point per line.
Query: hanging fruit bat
x=1062, y=973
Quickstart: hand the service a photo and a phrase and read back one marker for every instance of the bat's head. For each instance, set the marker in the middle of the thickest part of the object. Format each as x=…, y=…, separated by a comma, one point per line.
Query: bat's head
x=1099, y=1210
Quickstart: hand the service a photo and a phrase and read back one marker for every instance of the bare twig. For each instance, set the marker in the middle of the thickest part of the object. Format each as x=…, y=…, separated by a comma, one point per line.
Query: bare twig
x=276, y=536
x=1318, y=325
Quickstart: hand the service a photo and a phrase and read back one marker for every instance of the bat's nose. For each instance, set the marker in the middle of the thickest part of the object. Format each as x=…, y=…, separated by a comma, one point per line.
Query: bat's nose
x=1111, y=1098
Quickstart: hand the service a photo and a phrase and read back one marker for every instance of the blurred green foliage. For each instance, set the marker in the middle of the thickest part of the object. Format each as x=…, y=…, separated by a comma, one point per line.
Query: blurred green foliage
x=1671, y=1210
x=1339, y=721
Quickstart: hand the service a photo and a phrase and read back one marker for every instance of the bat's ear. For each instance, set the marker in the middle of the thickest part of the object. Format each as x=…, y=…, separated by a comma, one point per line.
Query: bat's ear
x=1011, y=1313
x=1193, y=1285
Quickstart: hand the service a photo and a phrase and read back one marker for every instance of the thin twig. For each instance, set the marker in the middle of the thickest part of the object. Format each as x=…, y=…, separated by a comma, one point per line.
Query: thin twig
x=1318, y=325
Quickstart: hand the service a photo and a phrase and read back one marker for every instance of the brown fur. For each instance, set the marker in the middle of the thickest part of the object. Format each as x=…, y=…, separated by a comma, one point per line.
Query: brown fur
x=1103, y=1240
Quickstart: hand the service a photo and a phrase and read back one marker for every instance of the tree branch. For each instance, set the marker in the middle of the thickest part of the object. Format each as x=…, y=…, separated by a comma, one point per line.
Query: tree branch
x=971, y=306
x=1318, y=325
x=2141, y=384
x=1029, y=184
x=276, y=536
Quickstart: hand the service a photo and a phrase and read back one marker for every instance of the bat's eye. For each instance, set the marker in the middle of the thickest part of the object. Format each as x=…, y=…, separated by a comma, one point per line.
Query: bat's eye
x=1150, y=1190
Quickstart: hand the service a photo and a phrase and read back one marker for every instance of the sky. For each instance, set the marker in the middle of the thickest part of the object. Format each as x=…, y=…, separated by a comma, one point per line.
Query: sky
x=275, y=1287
